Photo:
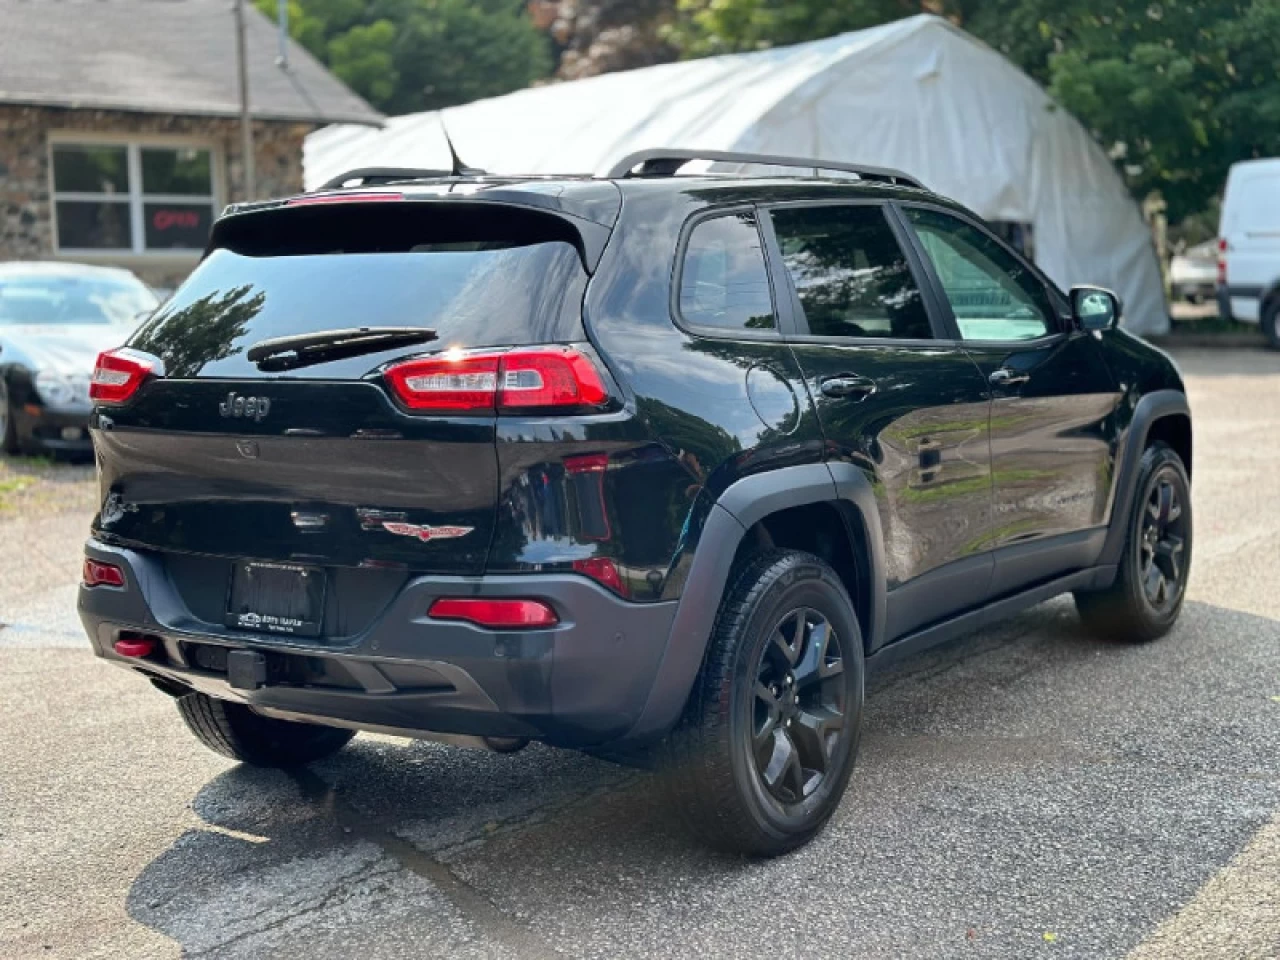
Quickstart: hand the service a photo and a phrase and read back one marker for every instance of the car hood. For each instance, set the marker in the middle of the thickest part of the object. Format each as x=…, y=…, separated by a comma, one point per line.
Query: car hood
x=71, y=349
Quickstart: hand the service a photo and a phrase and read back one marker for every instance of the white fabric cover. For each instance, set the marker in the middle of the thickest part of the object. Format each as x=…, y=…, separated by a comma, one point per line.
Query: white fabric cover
x=919, y=94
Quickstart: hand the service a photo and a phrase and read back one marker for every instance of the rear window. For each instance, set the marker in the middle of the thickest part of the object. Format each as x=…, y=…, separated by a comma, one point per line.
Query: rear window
x=476, y=276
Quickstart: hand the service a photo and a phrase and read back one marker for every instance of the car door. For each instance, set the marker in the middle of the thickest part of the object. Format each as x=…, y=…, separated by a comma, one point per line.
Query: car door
x=907, y=408
x=1053, y=399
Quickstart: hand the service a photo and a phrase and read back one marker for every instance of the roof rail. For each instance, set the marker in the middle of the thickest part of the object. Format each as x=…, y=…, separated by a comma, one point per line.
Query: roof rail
x=370, y=175
x=665, y=163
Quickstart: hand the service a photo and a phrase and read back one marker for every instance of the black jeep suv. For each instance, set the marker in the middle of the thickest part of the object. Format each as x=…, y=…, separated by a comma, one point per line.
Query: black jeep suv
x=648, y=463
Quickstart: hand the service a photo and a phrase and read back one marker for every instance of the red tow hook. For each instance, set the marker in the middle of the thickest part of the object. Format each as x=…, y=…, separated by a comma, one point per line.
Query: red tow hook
x=135, y=647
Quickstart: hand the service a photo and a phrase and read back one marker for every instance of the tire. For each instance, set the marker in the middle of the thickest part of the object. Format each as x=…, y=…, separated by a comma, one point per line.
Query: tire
x=718, y=759
x=1131, y=610
x=8, y=427
x=235, y=731
x=1271, y=322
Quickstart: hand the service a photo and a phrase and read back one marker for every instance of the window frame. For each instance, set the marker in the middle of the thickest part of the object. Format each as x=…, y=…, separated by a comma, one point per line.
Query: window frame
x=799, y=331
x=135, y=198
x=780, y=321
x=1060, y=320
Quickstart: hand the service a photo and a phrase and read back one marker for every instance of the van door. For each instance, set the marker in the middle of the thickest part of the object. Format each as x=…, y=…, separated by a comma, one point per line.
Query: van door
x=1251, y=229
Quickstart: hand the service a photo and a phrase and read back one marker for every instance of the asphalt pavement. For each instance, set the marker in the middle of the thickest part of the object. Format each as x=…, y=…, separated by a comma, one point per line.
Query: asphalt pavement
x=1027, y=791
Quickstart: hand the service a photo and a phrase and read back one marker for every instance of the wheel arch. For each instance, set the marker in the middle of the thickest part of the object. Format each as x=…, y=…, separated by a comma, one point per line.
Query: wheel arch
x=1162, y=415
x=747, y=507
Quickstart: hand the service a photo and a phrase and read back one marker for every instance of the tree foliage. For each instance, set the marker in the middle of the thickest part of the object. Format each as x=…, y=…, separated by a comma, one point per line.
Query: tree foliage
x=409, y=55
x=1176, y=90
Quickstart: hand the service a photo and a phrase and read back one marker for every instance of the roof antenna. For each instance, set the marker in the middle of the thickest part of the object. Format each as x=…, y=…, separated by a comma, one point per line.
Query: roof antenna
x=457, y=167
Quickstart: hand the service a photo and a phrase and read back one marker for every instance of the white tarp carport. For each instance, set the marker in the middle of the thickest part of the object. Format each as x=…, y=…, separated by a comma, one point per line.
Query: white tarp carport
x=919, y=94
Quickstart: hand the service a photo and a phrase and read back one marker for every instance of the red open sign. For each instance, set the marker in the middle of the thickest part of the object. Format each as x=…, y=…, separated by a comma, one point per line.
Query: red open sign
x=185, y=219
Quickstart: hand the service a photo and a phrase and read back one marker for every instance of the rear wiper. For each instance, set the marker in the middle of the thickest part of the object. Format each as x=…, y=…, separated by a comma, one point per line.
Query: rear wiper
x=303, y=349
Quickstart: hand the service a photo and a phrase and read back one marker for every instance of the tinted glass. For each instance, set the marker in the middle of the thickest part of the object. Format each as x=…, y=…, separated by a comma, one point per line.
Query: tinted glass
x=850, y=273
x=38, y=299
x=90, y=169
x=89, y=225
x=724, y=282
x=993, y=295
x=177, y=225
x=476, y=278
x=185, y=172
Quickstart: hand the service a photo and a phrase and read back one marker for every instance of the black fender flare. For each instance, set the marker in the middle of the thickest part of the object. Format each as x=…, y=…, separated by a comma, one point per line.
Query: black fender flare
x=741, y=505
x=1152, y=407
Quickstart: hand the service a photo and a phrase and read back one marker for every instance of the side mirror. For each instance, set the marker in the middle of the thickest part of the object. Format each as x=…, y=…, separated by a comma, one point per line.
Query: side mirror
x=1094, y=308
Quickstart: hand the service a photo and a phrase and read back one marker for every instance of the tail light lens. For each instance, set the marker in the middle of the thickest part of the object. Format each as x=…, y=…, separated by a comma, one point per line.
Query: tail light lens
x=495, y=614
x=1223, y=246
x=99, y=574
x=542, y=378
x=119, y=373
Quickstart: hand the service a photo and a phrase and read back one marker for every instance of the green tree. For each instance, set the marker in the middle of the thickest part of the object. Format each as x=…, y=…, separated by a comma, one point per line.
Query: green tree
x=723, y=26
x=409, y=55
x=1177, y=90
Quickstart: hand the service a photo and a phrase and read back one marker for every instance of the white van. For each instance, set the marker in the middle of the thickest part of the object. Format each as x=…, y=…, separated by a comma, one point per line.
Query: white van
x=1249, y=247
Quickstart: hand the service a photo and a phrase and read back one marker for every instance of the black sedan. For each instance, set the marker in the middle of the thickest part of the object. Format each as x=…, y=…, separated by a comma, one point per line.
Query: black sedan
x=54, y=320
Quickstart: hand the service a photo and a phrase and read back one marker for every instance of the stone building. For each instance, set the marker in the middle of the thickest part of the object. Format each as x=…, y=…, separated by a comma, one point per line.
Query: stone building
x=120, y=136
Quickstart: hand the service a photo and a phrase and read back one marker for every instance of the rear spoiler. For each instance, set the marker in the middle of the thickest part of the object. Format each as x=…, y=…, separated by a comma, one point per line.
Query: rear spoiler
x=590, y=217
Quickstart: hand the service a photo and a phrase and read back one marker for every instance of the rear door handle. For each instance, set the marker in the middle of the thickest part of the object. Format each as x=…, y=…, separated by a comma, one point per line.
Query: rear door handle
x=1004, y=377
x=848, y=386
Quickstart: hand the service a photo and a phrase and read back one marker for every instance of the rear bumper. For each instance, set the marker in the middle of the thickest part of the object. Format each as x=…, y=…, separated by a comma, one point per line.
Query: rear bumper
x=581, y=683
x=44, y=430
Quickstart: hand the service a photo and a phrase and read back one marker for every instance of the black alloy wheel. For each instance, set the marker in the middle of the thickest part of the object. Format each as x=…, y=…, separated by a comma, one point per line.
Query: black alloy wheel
x=769, y=738
x=799, y=708
x=1162, y=544
x=1144, y=600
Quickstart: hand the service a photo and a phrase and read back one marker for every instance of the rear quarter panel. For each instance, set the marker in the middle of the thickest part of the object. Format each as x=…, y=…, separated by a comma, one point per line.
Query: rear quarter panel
x=688, y=394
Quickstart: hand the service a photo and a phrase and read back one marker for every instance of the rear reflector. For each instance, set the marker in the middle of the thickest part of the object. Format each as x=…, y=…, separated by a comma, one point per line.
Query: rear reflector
x=496, y=614
x=119, y=373
x=541, y=378
x=603, y=571
x=99, y=574
x=342, y=198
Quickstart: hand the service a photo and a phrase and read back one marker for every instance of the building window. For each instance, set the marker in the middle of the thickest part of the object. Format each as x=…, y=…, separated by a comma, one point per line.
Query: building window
x=132, y=197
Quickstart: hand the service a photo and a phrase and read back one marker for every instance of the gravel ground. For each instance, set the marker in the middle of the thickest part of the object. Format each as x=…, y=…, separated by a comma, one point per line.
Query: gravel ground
x=1023, y=792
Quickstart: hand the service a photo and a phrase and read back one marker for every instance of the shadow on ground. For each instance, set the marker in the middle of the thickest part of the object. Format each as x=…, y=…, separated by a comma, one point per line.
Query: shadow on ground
x=1021, y=780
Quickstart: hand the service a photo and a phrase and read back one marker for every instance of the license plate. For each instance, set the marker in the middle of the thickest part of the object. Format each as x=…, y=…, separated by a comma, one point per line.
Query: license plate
x=283, y=598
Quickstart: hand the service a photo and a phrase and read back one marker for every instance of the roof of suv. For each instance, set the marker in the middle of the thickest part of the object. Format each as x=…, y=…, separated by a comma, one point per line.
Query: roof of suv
x=599, y=198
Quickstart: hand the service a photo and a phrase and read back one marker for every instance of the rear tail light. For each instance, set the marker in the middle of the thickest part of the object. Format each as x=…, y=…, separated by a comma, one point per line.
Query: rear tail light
x=495, y=614
x=99, y=574
x=1223, y=246
x=541, y=378
x=119, y=373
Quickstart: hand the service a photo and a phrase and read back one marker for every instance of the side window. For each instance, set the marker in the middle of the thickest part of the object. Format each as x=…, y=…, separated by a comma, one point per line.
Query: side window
x=724, y=282
x=993, y=296
x=849, y=272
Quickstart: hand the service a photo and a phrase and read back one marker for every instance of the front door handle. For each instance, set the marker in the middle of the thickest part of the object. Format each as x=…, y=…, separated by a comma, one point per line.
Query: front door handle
x=1004, y=377
x=848, y=386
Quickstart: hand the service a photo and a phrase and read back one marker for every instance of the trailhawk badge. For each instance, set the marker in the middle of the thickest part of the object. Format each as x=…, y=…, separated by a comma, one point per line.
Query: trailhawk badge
x=424, y=532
